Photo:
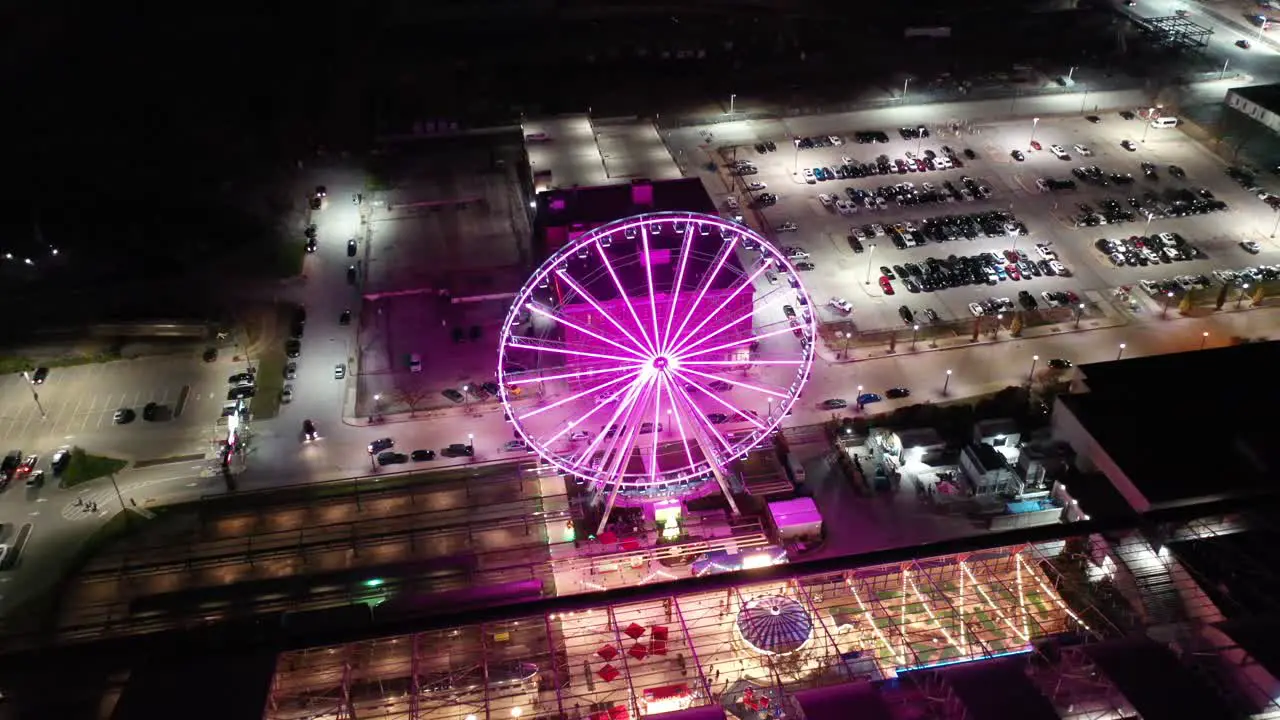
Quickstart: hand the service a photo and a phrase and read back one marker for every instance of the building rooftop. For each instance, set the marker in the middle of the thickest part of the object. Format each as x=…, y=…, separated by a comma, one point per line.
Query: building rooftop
x=1206, y=442
x=578, y=209
x=1268, y=96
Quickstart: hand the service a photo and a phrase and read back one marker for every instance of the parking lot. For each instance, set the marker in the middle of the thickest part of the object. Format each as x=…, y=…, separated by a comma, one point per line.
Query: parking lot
x=996, y=182
x=81, y=401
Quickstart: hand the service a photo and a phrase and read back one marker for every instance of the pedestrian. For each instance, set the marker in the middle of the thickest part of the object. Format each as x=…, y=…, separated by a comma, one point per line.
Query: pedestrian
x=133, y=502
x=79, y=502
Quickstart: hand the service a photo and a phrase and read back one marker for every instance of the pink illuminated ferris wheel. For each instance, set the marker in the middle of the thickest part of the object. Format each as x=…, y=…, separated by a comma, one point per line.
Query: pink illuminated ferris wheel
x=646, y=355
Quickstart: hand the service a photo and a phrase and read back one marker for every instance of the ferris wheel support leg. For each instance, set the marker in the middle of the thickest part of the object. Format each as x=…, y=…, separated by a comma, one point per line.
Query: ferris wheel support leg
x=724, y=488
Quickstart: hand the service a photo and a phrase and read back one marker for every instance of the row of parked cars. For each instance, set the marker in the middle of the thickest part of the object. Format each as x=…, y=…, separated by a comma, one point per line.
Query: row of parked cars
x=984, y=268
x=1249, y=275
x=927, y=161
x=383, y=449
x=1165, y=247
x=998, y=305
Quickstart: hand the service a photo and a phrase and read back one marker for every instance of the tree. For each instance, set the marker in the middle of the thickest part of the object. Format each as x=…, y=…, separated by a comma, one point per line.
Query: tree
x=1222, y=296
x=1015, y=327
x=413, y=394
x=1188, y=302
x=1259, y=294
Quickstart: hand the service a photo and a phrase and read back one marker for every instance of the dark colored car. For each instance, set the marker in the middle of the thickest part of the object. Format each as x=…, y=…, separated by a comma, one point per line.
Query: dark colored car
x=381, y=444
x=351, y=248
x=309, y=431
x=40, y=375
x=717, y=418
x=351, y=274
x=1060, y=364
x=868, y=398
x=453, y=395
x=235, y=393
x=392, y=457
x=458, y=450
x=835, y=404
x=210, y=355
x=420, y=455
x=897, y=392
x=345, y=318
x=490, y=387
x=151, y=410
x=293, y=348
x=238, y=378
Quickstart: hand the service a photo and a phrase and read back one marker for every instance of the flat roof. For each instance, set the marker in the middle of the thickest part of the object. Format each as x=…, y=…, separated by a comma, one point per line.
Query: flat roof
x=576, y=150
x=1267, y=96
x=1179, y=428
x=998, y=689
x=1152, y=679
x=583, y=208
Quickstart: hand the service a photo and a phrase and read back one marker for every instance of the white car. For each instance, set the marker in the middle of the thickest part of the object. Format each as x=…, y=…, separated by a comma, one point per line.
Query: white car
x=1059, y=152
x=1186, y=282
x=877, y=230
x=339, y=371
x=808, y=176
x=1226, y=277
x=835, y=139
x=1049, y=299
x=845, y=208
x=826, y=200
x=846, y=159
x=977, y=310
x=788, y=227
x=286, y=395
x=1042, y=185
x=942, y=163
x=1251, y=247
x=731, y=202
x=577, y=435
x=1084, y=150
x=797, y=254
x=1046, y=253
x=758, y=186
x=1059, y=267
x=841, y=304
x=1151, y=256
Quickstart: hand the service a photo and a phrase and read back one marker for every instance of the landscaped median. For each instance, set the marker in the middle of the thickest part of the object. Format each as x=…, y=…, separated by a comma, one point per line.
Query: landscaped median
x=13, y=365
x=84, y=467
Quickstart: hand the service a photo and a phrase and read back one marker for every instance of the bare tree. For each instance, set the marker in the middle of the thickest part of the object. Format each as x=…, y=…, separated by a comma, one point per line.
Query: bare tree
x=412, y=393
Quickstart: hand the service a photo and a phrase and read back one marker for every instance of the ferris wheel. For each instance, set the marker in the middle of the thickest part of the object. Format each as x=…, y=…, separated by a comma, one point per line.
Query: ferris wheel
x=653, y=351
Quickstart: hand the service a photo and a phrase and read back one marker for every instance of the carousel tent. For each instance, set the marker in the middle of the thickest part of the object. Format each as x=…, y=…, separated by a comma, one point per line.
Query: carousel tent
x=775, y=625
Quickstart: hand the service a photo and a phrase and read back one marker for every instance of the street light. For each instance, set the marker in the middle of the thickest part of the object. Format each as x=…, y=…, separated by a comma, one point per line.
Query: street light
x=1079, y=312
x=859, y=398
x=1224, y=69
x=995, y=330
x=1121, y=351
x=904, y=89
x=871, y=250
x=1275, y=210
x=1034, y=359
x=36, y=396
x=1071, y=72
x=732, y=97
x=1204, y=338
x=1168, y=298
x=946, y=382
x=471, y=443
x=1244, y=289
x=915, y=330
x=1034, y=122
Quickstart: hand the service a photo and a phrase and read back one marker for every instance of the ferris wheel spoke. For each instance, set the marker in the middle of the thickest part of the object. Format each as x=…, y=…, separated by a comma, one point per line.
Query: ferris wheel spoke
x=565, y=321
x=676, y=288
x=716, y=399
x=707, y=281
x=747, y=317
x=676, y=412
x=584, y=393
x=619, y=451
x=737, y=383
x=735, y=343
x=622, y=294
x=713, y=363
x=572, y=424
x=647, y=261
x=625, y=404
x=743, y=285
x=582, y=293
x=576, y=353
x=574, y=375
x=702, y=422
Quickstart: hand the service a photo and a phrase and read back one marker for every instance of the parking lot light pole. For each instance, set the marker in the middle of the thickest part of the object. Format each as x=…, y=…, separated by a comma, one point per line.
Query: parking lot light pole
x=1168, y=298
x=1079, y=312
x=732, y=97
x=871, y=250
x=1121, y=353
x=1244, y=290
x=1034, y=122
x=946, y=383
x=377, y=401
x=1071, y=72
x=36, y=396
x=995, y=329
x=1204, y=339
x=1034, y=359
x=904, y=89
x=1147, y=227
x=1277, y=225
x=915, y=332
x=1223, y=74
x=471, y=443
x=858, y=400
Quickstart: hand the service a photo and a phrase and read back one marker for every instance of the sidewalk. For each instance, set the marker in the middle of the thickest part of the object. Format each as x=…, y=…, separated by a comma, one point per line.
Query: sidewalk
x=1108, y=317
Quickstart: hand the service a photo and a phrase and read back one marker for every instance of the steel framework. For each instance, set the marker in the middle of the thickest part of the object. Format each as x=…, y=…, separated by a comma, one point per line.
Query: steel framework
x=1178, y=32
